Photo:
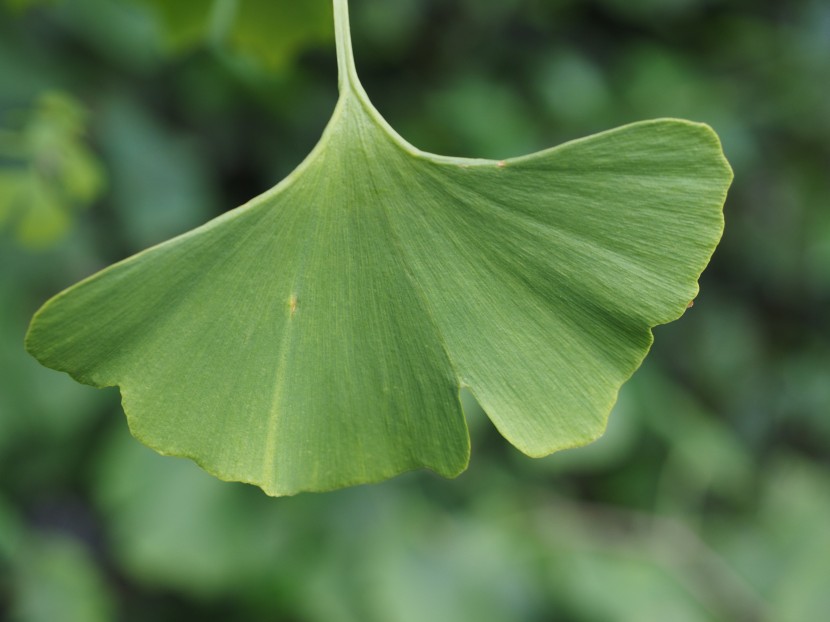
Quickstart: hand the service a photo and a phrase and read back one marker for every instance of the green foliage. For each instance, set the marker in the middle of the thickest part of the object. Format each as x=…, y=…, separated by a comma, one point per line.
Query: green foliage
x=57, y=580
x=318, y=336
x=49, y=171
x=273, y=31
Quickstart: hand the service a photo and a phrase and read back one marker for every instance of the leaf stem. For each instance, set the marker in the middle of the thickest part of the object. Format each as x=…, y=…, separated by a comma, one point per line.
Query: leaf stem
x=222, y=16
x=347, y=75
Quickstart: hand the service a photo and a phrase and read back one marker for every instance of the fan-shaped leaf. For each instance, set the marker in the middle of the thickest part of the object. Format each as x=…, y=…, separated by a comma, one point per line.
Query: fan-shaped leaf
x=318, y=336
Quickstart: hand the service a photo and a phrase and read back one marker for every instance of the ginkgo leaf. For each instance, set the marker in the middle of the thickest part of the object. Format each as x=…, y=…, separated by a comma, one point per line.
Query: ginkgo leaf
x=319, y=335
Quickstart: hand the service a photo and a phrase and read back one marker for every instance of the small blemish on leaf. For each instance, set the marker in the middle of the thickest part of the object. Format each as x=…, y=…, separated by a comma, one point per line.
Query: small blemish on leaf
x=501, y=163
x=292, y=304
x=691, y=304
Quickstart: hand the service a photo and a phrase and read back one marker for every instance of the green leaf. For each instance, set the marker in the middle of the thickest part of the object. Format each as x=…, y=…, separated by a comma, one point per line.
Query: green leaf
x=51, y=171
x=272, y=31
x=318, y=336
x=275, y=32
x=56, y=579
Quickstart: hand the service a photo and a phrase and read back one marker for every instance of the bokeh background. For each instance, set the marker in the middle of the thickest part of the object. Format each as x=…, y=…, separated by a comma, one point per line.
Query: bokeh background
x=125, y=122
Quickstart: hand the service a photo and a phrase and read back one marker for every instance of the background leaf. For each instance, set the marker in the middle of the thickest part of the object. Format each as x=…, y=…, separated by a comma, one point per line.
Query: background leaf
x=273, y=32
x=49, y=170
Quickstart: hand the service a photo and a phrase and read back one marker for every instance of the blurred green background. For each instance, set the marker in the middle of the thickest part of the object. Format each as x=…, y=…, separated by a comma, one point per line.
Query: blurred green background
x=125, y=122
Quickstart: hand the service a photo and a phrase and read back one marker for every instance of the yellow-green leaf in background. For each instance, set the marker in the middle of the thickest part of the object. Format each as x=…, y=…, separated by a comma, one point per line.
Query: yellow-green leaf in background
x=319, y=335
x=48, y=171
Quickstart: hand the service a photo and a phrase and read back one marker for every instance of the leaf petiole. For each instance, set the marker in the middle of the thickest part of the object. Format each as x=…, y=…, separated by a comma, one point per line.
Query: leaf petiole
x=347, y=75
